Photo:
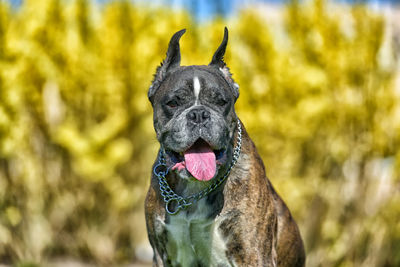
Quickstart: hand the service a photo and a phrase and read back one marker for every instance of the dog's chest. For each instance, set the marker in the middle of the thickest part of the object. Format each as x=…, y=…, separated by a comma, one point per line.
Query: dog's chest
x=194, y=240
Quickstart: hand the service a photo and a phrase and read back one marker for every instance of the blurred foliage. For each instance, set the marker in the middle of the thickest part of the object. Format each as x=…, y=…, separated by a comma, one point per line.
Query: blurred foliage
x=77, y=143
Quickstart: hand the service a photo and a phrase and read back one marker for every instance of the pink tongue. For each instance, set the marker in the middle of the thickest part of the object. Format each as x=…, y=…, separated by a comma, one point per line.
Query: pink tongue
x=200, y=162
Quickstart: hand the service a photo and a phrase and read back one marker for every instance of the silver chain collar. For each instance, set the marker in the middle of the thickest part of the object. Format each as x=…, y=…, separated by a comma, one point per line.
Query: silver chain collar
x=183, y=202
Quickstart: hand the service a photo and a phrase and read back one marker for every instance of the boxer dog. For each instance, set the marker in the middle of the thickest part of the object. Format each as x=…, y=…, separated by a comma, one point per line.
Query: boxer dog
x=210, y=202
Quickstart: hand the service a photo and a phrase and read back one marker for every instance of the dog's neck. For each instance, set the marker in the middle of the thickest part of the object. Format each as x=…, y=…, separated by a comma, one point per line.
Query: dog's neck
x=186, y=187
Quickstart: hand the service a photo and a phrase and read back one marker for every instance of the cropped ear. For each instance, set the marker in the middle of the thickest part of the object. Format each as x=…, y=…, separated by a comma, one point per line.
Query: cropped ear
x=172, y=61
x=218, y=58
x=218, y=62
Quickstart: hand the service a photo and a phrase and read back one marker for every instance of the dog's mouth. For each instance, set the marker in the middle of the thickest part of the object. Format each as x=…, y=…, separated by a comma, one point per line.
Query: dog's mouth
x=200, y=160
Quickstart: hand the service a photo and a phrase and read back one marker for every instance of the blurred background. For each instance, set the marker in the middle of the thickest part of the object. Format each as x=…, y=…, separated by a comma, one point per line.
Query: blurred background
x=319, y=95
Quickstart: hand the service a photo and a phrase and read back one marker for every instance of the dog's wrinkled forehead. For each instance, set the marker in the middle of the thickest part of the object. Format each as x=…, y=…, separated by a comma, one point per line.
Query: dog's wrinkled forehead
x=171, y=75
x=197, y=80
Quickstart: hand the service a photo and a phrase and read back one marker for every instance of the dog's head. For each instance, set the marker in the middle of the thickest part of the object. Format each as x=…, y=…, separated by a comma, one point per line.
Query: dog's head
x=194, y=116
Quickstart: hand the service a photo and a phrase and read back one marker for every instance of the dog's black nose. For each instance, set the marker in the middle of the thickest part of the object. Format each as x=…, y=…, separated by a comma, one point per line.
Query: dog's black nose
x=198, y=115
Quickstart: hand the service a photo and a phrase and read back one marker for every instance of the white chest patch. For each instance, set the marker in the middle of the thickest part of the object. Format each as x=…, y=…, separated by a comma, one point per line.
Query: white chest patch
x=194, y=240
x=196, y=88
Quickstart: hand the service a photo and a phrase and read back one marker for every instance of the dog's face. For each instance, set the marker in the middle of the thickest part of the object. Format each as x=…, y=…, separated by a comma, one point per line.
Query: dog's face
x=194, y=116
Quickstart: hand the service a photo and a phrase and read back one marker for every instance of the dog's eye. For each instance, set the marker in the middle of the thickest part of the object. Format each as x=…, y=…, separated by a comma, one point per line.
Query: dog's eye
x=172, y=103
x=221, y=102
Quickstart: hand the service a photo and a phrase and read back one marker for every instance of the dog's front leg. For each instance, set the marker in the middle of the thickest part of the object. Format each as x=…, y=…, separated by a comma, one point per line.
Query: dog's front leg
x=155, y=225
x=264, y=243
x=271, y=235
x=251, y=244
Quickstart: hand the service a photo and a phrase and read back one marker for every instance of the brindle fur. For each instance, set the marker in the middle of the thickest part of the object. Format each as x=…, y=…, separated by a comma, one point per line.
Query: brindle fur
x=257, y=227
x=243, y=222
